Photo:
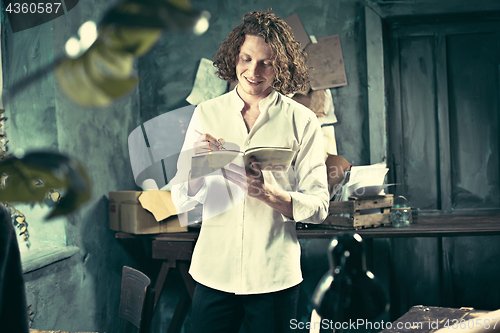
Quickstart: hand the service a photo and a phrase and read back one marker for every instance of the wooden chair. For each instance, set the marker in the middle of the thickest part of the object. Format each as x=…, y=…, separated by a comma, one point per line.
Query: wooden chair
x=136, y=300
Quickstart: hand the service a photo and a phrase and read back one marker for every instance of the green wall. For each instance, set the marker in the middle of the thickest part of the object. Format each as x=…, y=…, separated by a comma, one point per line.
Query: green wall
x=82, y=292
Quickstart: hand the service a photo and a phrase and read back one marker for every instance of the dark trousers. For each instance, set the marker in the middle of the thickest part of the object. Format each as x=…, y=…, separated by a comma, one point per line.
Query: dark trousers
x=220, y=312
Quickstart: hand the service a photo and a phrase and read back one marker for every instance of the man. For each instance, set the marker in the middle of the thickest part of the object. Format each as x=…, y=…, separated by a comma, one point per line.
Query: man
x=247, y=257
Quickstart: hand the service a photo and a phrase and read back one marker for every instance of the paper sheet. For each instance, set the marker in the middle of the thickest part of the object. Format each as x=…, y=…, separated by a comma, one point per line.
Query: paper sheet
x=329, y=137
x=364, y=176
x=207, y=85
x=330, y=117
x=371, y=190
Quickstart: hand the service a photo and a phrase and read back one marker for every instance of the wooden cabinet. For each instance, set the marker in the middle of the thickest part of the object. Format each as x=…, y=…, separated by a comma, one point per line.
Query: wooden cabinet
x=443, y=112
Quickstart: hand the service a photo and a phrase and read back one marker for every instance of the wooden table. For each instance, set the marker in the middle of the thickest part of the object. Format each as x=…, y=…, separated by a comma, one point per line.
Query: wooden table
x=175, y=250
x=424, y=226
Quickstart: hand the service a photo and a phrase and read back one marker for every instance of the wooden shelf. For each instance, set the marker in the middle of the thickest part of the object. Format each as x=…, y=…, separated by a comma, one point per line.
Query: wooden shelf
x=425, y=226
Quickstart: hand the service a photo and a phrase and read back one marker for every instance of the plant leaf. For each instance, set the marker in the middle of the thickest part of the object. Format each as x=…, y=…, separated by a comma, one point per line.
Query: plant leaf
x=57, y=171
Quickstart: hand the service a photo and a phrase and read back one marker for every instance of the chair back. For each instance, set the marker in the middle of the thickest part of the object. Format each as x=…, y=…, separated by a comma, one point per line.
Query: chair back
x=136, y=299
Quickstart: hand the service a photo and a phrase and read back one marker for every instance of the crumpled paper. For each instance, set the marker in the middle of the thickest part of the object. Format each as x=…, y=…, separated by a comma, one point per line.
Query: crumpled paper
x=207, y=85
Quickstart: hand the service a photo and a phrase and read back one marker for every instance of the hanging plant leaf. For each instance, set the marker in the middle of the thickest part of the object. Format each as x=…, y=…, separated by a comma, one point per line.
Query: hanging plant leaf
x=55, y=170
x=54, y=196
x=23, y=230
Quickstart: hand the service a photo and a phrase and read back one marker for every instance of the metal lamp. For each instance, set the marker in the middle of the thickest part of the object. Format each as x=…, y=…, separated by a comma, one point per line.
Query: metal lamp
x=99, y=65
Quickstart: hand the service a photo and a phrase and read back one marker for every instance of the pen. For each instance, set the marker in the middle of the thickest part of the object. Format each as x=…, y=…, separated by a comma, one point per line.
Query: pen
x=219, y=143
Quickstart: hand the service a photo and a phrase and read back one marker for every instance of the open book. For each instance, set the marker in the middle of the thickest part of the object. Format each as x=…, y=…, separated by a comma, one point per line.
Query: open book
x=269, y=158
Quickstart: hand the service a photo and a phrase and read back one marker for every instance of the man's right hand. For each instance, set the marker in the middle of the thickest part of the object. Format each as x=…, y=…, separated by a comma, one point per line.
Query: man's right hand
x=206, y=143
x=203, y=144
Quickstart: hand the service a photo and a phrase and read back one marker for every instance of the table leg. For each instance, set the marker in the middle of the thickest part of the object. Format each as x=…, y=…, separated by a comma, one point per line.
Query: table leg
x=160, y=280
x=188, y=280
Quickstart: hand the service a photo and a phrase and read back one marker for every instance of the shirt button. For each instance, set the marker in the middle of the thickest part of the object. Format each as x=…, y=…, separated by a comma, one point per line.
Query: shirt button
x=248, y=143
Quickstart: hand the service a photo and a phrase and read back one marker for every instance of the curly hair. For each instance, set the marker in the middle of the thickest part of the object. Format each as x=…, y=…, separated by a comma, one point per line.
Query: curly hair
x=289, y=61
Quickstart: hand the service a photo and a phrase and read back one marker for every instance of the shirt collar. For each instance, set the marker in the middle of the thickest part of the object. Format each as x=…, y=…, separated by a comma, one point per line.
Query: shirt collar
x=264, y=104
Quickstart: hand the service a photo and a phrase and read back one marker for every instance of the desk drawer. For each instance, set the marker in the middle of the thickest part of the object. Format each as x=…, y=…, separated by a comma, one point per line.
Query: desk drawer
x=179, y=250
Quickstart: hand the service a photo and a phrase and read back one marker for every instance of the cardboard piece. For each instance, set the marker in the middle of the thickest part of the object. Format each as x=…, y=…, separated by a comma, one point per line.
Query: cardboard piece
x=326, y=63
x=299, y=32
x=159, y=203
x=314, y=100
x=134, y=212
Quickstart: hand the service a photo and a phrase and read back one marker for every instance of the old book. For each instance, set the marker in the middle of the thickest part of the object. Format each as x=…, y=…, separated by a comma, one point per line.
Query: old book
x=269, y=158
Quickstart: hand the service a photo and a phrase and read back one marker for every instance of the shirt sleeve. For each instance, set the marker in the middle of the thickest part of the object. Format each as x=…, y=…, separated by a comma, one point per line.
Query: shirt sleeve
x=179, y=184
x=310, y=200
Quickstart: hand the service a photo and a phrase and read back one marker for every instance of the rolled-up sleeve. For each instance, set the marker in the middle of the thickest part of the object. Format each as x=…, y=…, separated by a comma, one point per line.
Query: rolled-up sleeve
x=310, y=200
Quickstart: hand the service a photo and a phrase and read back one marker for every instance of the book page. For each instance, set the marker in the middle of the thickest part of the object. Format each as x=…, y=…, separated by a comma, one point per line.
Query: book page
x=271, y=158
x=205, y=163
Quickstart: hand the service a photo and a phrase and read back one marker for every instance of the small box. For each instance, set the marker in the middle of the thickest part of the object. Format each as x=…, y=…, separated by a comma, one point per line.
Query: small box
x=126, y=213
x=360, y=212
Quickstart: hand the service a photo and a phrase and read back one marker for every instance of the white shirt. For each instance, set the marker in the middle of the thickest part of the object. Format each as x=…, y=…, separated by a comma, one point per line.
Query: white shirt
x=245, y=246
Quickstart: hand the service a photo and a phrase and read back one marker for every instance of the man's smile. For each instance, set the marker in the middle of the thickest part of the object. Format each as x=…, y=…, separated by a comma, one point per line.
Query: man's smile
x=253, y=82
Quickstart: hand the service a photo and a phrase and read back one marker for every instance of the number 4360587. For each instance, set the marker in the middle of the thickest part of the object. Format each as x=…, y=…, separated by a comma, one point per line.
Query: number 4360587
x=25, y=8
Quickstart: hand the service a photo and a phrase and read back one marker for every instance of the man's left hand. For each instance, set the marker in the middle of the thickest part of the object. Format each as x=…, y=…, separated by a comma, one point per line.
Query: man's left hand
x=250, y=178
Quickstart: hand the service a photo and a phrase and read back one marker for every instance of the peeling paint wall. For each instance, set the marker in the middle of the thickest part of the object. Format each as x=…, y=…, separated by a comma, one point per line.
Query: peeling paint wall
x=82, y=292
